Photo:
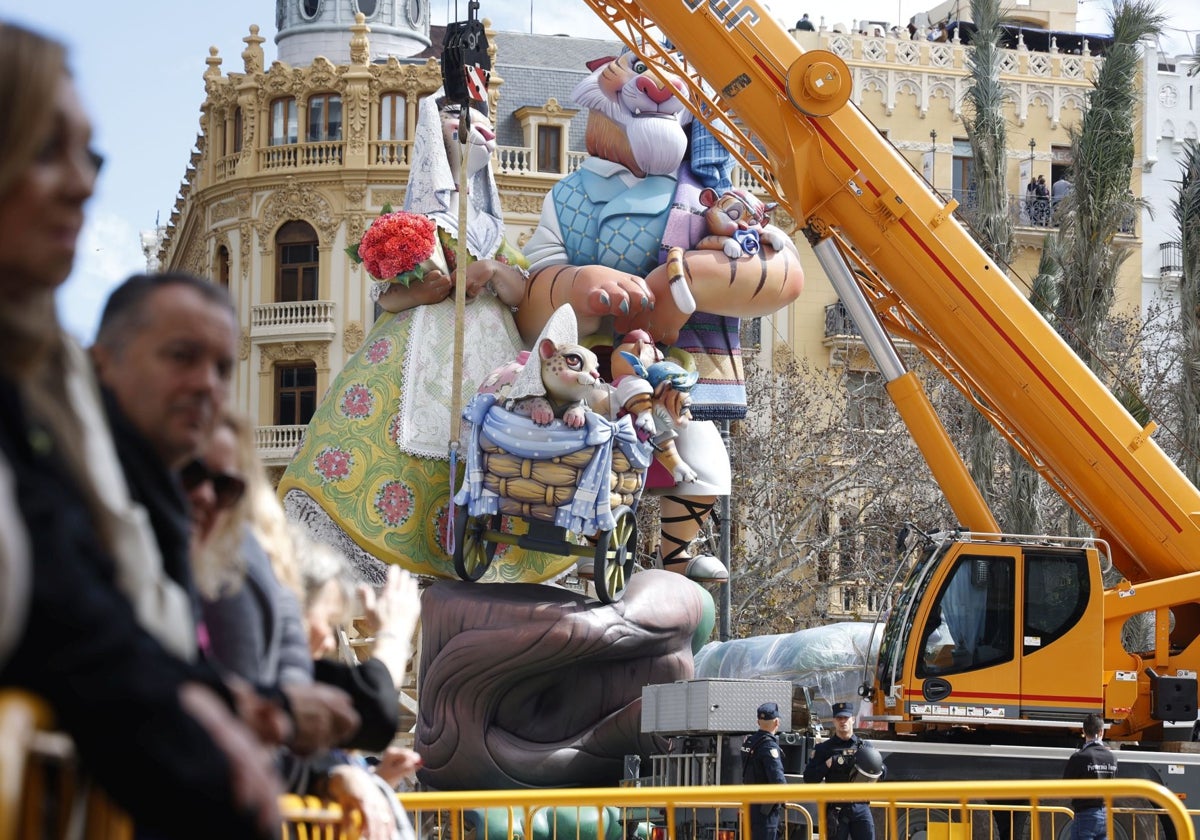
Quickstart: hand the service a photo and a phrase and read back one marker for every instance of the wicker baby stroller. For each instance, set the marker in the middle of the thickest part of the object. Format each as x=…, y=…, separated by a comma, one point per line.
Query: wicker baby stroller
x=577, y=489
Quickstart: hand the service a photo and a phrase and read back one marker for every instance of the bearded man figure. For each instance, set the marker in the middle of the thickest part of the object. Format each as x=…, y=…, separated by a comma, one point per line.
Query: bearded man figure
x=617, y=242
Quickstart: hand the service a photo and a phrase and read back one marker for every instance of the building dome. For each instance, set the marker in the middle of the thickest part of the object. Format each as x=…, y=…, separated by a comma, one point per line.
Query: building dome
x=310, y=28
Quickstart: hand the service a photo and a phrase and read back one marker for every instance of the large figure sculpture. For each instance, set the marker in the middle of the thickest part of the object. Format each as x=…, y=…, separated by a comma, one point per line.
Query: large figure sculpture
x=373, y=474
x=617, y=240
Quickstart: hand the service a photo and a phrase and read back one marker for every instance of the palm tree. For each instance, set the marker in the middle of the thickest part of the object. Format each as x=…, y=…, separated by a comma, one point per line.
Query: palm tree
x=992, y=225
x=1101, y=203
x=1186, y=208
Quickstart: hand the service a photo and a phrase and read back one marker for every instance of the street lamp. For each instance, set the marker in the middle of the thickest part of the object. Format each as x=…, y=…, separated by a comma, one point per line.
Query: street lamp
x=1030, y=198
x=932, y=157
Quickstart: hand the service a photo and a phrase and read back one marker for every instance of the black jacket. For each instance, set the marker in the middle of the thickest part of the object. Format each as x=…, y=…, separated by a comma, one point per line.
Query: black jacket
x=156, y=488
x=1091, y=761
x=111, y=686
x=841, y=751
x=762, y=760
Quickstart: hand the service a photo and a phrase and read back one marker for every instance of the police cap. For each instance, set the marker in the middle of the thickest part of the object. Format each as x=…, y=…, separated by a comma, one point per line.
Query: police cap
x=768, y=711
x=843, y=710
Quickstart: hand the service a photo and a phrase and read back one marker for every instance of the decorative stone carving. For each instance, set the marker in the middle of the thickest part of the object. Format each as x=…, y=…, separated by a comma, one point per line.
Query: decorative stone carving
x=360, y=45
x=298, y=201
x=321, y=75
x=223, y=210
x=195, y=259
x=212, y=76
x=382, y=197
x=293, y=351
x=356, y=225
x=357, y=109
x=245, y=231
x=522, y=203
x=353, y=337
x=244, y=345
x=252, y=56
x=249, y=121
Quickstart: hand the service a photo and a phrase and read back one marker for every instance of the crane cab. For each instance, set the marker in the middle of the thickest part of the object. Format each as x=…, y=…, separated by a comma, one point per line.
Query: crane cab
x=990, y=631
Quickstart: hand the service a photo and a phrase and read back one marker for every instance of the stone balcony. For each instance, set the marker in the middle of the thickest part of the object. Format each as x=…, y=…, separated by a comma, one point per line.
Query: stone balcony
x=301, y=320
x=277, y=444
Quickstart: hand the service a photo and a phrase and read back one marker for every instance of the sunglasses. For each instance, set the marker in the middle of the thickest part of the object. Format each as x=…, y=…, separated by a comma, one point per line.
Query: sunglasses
x=227, y=489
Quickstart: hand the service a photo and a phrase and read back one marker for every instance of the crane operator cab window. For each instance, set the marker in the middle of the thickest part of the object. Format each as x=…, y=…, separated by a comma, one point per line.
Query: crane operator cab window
x=971, y=626
x=1057, y=590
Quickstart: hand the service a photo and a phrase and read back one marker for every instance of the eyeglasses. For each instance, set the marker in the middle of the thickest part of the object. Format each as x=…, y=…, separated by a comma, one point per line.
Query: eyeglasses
x=228, y=489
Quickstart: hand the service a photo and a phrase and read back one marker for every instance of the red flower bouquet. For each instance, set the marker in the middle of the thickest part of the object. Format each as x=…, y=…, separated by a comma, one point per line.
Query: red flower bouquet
x=399, y=247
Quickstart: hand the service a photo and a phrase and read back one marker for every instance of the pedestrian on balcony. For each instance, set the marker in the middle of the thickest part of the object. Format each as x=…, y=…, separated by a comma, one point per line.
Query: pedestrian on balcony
x=762, y=764
x=1042, y=202
x=1091, y=761
x=1059, y=190
x=804, y=24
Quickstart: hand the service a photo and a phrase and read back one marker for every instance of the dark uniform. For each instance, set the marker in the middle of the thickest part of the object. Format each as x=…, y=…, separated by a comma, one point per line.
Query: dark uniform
x=762, y=764
x=842, y=819
x=1092, y=761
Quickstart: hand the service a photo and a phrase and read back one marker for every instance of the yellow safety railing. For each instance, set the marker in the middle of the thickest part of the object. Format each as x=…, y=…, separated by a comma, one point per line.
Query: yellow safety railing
x=979, y=821
x=1139, y=810
x=42, y=790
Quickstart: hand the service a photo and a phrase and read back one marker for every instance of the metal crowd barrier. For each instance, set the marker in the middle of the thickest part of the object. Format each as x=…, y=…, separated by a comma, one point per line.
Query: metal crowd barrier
x=1010, y=810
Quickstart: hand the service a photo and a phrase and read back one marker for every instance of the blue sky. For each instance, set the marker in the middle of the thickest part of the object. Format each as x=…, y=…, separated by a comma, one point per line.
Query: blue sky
x=140, y=70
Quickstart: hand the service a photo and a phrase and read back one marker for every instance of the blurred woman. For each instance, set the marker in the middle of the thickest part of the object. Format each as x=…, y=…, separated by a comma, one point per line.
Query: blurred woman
x=163, y=745
x=244, y=555
x=242, y=564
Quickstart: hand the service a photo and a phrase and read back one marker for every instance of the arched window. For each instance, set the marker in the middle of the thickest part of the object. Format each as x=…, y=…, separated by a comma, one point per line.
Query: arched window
x=324, y=117
x=295, y=393
x=393, y=128
x=237, y=129
x=296, y=263
x=284, y=130
x=223, y=267
x=392, y=116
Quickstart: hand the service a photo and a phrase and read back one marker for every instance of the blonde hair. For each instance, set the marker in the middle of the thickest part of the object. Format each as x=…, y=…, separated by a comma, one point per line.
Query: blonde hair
x=31, y=66
x=218, y=564
x=32, y=348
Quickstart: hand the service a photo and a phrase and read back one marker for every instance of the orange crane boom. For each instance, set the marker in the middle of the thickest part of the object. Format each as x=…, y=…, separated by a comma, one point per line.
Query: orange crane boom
x=787, y=113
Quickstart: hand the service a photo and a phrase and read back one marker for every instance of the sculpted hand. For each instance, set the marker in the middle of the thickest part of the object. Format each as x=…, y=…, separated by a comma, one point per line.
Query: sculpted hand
x=504, y=280
x=434, y=287
x=593, y=291
x=256, y=785
x=322, y=716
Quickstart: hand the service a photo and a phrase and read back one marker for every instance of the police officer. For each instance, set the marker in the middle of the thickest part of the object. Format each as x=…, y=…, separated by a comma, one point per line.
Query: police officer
x=833, y=760
x=762, y=764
